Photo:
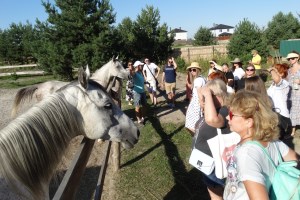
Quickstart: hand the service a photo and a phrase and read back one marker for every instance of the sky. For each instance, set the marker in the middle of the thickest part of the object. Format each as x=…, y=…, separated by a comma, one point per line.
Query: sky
x=189, y=15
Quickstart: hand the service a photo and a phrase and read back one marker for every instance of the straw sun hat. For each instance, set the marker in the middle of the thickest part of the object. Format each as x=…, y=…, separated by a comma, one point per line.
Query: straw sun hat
x=194, y=65
x=236, y=60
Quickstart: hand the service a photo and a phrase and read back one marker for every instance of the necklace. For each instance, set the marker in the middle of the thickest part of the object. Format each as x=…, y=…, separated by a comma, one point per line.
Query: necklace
x=243, y=140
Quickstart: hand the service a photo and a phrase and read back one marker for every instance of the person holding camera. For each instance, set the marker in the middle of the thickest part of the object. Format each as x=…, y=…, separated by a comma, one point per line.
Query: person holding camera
x=151, y=72
x=169, y=80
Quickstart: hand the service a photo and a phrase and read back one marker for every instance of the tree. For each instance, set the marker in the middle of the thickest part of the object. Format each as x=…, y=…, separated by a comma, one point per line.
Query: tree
x=76, y=33
x=203, y=37
x=15, y=43
x=246, y=37
x=150, y=39
x=282, y=27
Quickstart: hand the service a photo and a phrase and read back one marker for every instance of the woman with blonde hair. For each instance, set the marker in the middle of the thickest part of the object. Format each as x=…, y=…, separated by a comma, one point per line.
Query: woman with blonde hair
x=193, y=113
x=213, y=97
x=249, y=169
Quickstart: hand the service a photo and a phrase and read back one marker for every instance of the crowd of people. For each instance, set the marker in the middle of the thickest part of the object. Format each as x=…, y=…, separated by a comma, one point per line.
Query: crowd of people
x=231, y=100
x=238, y=101
x=144, y=78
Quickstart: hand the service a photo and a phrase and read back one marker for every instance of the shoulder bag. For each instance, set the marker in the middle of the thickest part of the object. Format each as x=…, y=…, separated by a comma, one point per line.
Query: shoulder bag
x=222, y=147
x=156, y=81
x=200, y=160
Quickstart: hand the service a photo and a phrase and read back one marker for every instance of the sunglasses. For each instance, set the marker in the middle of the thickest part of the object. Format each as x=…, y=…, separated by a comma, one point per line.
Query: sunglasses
x=291, y=59
x=231, y=115
x=250, y=70
x=193, y=70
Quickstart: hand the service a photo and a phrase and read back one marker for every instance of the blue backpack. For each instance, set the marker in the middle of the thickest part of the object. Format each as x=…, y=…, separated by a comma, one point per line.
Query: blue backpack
x=286, y=179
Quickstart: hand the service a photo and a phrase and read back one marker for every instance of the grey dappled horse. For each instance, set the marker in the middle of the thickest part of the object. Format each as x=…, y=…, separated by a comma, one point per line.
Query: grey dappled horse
x=32, y=145
x=110, y=76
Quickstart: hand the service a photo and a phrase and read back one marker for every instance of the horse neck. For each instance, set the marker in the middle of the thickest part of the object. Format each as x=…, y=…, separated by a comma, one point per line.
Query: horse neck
x=43, y=133
x=102, y=76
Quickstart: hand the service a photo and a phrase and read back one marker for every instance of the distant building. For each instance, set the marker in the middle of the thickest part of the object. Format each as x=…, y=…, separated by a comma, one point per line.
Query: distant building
x=221, y=31
x=180, y=34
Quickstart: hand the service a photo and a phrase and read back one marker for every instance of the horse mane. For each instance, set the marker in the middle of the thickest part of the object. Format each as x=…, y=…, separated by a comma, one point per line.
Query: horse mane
x=32, y=145
x=22, y=95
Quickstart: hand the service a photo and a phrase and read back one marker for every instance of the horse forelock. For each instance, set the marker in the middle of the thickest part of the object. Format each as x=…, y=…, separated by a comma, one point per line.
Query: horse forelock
x=32, y=145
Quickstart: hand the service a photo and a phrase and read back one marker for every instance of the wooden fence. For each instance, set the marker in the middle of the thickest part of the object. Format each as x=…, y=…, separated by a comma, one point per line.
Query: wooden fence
x=190, y=54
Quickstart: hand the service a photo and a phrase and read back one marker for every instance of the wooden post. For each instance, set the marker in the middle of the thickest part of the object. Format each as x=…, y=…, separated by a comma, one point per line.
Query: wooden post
x=116, y=92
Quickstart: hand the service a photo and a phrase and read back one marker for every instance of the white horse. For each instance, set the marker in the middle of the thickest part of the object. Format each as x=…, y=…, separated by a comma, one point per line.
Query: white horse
x=32, y=145
x=110, y=76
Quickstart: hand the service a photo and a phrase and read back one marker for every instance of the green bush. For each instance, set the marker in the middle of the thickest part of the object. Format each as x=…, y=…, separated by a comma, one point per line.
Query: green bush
x=180, y=64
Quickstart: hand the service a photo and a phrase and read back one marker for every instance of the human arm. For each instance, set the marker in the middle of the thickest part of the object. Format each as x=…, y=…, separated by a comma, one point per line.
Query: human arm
x=212, y=117
x=144, y=71
x=291, y=155
x=256, y=190
x=174, y=63
x=158, y=71
x=275, y=75
x=163, y=77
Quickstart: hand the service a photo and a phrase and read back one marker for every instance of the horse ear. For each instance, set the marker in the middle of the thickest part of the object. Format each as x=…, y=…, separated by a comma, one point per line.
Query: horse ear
x=115, y=58
x=82, y=78
x=87, y=71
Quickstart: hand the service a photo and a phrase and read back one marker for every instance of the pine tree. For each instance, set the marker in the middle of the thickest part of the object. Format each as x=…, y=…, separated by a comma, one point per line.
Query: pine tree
x=246, y=37
x=76, y=33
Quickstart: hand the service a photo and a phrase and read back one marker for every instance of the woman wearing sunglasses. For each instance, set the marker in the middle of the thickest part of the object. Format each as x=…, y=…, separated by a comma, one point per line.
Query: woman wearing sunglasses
x=249, y=72
x=193, y=113
x=249, y=169
x=294, y=80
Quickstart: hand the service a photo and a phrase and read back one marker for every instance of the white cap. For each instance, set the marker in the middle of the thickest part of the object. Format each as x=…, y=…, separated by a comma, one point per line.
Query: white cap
x=137, y=63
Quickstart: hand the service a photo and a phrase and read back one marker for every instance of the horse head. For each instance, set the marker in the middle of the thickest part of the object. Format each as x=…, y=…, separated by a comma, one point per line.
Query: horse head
x=102, y=118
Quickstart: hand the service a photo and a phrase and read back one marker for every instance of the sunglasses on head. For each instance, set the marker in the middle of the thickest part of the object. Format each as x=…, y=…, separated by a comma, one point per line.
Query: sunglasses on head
x=250, y=70
x=193, y=70
x=291, y=59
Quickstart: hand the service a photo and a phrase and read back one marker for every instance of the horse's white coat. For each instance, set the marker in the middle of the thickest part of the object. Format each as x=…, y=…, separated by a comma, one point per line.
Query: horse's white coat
x=97, y=117
x=103, y=76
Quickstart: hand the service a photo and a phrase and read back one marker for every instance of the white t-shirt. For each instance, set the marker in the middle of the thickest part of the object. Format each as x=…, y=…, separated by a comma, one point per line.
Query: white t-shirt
x=152, y=67
x=249, y=162
x=238, y=73
x=279, y=95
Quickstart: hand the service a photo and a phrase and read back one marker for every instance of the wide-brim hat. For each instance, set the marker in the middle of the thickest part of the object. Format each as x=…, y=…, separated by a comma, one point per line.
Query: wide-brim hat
x=236, y=60
x=137, y=63
x=292, y=55
x=194, y=65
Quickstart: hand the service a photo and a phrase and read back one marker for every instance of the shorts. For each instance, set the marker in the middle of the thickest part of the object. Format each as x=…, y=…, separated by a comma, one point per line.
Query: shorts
x=151, y=87
x=170, y=87
x=212, y=181
x=139, y=99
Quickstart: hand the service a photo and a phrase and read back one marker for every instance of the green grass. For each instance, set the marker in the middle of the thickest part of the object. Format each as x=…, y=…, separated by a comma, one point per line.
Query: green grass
x=22, y=81
x=157, y=167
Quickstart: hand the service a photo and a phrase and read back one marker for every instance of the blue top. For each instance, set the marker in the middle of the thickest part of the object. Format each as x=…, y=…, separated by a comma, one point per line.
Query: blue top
x=170, y=74
x=138, y=81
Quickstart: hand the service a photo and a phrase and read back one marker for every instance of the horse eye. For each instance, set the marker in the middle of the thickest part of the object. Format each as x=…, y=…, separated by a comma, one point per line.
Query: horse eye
x=108, y=106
